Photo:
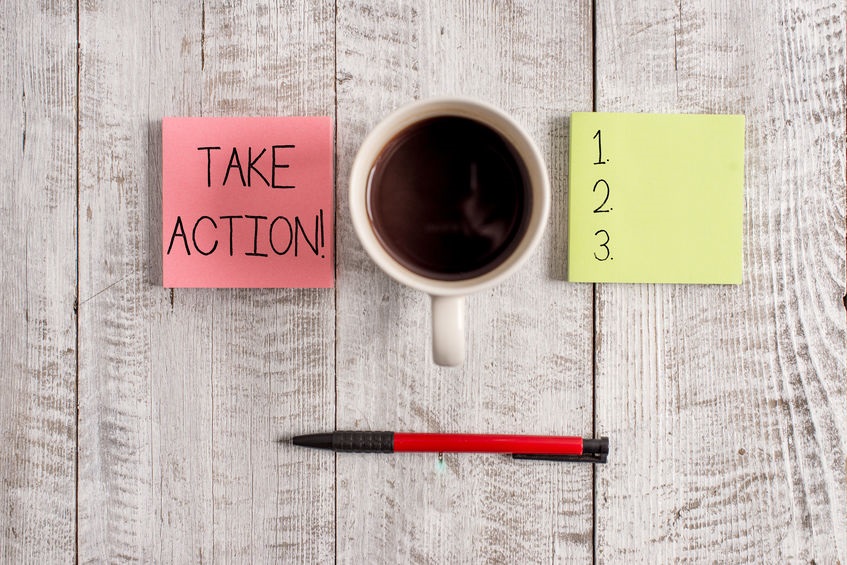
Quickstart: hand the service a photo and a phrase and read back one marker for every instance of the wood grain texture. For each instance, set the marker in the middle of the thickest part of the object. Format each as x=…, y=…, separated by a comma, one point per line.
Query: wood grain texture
x=529, y=359
x=727, y=404
x=37, y=281
x=183, y=395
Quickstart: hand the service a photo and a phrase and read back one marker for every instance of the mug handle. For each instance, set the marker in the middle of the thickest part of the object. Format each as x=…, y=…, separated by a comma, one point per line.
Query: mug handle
x=448, y=330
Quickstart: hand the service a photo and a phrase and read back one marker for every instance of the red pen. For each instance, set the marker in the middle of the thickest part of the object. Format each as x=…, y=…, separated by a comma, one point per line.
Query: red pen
x=550, y=448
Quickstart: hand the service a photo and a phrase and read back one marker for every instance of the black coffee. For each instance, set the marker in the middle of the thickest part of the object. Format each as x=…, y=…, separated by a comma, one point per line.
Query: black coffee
x=449, y=198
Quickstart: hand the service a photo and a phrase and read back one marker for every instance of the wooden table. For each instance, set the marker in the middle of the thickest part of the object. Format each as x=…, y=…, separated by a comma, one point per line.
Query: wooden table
x=141, y=423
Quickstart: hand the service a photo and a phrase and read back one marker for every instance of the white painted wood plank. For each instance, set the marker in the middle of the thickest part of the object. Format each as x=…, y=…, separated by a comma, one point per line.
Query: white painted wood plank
x=726, y=405
x=272, y=350
x=37, y=281
x=529, y=363
x=183, y=395
x=132, y=341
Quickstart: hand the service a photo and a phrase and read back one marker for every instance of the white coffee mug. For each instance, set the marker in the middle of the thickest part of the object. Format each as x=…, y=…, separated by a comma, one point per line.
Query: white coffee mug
x=448, y=296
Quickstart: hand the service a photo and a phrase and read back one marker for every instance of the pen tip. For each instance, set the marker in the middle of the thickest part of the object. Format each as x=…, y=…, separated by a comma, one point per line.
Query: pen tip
x=321, y=441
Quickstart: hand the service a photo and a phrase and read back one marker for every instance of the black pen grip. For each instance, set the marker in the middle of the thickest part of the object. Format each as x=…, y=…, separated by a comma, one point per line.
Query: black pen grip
x=367, y=442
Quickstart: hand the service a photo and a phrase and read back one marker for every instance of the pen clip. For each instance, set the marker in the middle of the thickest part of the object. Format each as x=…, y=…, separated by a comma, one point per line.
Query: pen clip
x=593, y=451
x=584, y=458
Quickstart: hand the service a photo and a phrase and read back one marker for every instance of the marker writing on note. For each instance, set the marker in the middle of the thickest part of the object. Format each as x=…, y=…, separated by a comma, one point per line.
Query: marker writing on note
x=550, y=448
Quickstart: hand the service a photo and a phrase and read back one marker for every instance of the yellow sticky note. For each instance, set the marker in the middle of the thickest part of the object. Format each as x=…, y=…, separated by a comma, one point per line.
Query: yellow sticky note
x=656, y=198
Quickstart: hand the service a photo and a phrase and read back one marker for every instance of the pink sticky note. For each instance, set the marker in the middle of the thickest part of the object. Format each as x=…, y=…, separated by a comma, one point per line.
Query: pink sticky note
x=247, y=202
